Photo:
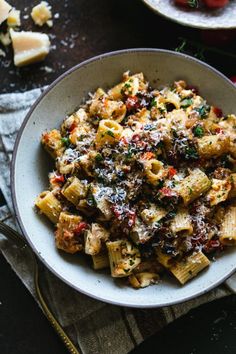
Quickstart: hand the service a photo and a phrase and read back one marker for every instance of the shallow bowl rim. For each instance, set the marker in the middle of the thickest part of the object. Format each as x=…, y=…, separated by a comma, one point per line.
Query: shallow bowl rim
x=13, y=180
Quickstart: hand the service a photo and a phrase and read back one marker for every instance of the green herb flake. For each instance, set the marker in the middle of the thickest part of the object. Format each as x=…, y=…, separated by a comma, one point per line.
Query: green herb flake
x=191, y=153
x=65, y=141
x=153, y=103
x=98, y=158
x=190, y=190
x=91, y=200
x=203, y=111
x=198, y=131
x=186, y=102
x=127, y=85
x=110, y=133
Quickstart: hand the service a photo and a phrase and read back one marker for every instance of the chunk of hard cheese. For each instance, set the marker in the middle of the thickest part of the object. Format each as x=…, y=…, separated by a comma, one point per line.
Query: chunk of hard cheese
x=29, y=47
x=41, y=14
x=4, y=10
x=13, y=19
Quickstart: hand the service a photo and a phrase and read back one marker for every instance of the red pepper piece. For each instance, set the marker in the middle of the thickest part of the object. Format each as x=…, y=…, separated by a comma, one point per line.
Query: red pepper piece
x=81, y=227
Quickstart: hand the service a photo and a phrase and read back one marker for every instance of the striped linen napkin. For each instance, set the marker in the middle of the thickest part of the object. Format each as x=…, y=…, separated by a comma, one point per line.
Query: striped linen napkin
x=93, y=326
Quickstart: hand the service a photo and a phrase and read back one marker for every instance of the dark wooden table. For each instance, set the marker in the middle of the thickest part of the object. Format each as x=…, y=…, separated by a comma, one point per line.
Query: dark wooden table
x=86, y=28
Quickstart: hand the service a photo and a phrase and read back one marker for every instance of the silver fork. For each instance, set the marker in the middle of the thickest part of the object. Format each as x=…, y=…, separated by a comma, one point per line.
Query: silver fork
x=20, y=241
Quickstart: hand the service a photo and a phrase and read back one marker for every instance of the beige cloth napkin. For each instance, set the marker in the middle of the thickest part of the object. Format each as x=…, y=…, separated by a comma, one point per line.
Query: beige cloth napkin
x=93, y=326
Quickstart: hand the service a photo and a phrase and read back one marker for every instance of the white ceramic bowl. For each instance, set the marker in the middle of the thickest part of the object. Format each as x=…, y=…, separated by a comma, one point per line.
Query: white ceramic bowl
x=203, y=18
x=31, y=165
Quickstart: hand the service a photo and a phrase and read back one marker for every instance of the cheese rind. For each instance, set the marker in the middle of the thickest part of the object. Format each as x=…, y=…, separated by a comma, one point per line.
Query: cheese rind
x=41, y=14
x=4, y=10
x=13, y=19
x=29, y=47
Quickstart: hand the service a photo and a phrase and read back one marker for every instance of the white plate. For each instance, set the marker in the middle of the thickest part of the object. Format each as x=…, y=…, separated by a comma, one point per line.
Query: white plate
x=31, y=165
x=224, y=18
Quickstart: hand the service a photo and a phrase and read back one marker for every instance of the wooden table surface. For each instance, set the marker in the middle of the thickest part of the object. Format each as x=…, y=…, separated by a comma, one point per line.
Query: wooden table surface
x=86, y=28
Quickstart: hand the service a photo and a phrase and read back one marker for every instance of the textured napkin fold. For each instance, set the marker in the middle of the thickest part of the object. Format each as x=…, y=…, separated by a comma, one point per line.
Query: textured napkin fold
x=93, y=326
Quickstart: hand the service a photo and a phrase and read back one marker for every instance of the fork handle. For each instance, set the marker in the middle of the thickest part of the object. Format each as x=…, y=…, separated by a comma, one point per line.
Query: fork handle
x=19, y=240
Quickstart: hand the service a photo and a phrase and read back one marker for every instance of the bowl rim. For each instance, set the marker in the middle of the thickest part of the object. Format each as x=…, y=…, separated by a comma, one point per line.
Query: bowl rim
x=156, y=10
x=13, y=179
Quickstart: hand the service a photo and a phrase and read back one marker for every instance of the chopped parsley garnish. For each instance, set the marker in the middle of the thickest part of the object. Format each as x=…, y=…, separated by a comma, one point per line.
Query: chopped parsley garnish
x=98, y=158
x=198, y=131
x=186, y=102
x=203, y=111
x=191, y=153
x=65, y=141
x=91, y=200
x=153, y=103
x=190, y=190
x=110, y=133
x=127, y=85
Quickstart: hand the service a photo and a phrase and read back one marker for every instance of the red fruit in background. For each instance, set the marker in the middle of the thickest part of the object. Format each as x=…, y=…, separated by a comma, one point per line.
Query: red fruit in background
x=187, y=3
x=218, y=38
x=215, y=4
x=233, y=79
x=181, y=2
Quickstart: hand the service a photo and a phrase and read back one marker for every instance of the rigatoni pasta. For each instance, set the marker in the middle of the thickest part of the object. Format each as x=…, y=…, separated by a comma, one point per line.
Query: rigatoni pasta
x=144, y=181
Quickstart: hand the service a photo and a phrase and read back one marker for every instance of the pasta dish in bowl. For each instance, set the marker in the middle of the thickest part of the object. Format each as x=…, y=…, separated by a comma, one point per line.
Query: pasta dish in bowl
x=141, y=174
x=144, y=181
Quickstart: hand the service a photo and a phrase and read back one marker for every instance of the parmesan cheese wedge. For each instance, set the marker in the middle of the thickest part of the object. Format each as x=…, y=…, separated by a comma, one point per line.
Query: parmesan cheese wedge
x=13, y=19
x=29, y=47
x=4, y=10
x=42, y=14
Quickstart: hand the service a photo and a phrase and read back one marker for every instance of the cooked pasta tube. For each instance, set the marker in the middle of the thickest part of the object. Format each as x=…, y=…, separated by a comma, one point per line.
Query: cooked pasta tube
x=165, y=259
x=53, y=143
x=189, y=268
x=49, y=205
x=172, y=98
x=182, y=222
x=153, y=214
x=193, y=186
x=228, y=227
x=67, y=235
x=100, y=260
x=154, y=170
x=142, y=280
x=213, y=145
x=232, y=193
x=74, y=190
x=123, y=256
x=93, y=239
x=106, y=108
x=219, y=191
x=109, y=131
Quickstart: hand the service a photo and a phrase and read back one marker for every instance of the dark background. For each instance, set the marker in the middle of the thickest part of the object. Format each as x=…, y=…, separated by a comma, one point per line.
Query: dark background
x=86, y=28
